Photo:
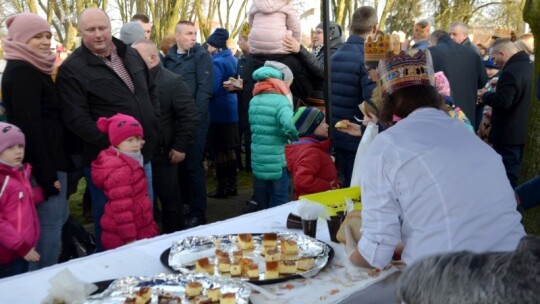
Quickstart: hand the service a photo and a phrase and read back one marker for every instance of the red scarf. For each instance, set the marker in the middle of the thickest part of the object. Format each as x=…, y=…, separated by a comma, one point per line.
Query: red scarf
x=14, y=50
x=271, y=85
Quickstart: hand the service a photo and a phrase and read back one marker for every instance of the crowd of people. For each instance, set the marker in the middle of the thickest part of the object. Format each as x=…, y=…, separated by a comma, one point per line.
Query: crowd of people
x=138, y=123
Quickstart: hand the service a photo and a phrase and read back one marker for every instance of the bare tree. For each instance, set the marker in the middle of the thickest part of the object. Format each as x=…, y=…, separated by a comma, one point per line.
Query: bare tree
x=531, y=158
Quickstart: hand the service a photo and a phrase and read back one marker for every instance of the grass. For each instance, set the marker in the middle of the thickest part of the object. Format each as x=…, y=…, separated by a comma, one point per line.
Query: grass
x=244, y=179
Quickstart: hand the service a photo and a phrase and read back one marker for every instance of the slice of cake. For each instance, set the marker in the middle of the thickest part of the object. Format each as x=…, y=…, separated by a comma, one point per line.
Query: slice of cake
x=221, y=254
x=272, y=255
x=245, y=241
x=204, y=300
x=214, y=294
x=272, y=270
x=168, y=298
x=203, y=266
x=236, y=269
x=143, y=296
x=244, y=263
x=224, y=265
x=237, y=255
x=193, y=289
x=253, y=271
x=287, y=267
x=304, y=264
x=289, y=247
x=228, y=298
x=270, y=240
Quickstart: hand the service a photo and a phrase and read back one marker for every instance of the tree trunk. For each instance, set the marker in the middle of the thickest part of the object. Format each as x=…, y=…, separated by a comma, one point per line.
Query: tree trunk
x=530, y=166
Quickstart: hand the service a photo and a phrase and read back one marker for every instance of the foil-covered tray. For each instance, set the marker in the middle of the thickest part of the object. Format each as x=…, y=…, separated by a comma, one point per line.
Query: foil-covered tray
x=183, y=254
x=174, y=284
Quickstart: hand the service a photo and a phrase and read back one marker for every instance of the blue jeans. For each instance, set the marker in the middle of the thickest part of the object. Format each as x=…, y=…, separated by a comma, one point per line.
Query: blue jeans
x=192, y=175
x=271, y=193
x=99, y=199
x=511, y=157
x=345, y=161
x=52, y=214
x=16, y=267
x=148, y=172
x=529, y=193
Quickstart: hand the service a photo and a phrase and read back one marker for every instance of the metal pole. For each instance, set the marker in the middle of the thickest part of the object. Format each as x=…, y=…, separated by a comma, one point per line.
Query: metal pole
x=327, y=75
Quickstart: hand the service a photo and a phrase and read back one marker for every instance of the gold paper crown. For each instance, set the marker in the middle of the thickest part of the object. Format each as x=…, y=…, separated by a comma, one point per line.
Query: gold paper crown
x=245, y=29
x=408, y=68
x=378, y=48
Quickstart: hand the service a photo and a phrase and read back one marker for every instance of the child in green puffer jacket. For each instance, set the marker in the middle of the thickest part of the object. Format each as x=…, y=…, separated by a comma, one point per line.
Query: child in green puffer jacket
x=270, y=119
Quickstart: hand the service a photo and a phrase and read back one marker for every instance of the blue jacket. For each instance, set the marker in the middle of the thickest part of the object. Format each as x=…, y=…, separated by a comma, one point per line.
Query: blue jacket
x=223, y=105
x=195, y=66
x=350, y=86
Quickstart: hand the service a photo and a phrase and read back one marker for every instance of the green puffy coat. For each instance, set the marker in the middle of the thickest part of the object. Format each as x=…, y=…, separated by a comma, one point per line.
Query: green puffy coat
x=270, y=120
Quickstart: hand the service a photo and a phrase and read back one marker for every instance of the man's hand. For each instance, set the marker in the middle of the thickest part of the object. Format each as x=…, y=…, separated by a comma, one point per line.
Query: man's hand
x=291, y=45
x=176, y=157
x=32, y=255
x=480, y=96
x=57, y=185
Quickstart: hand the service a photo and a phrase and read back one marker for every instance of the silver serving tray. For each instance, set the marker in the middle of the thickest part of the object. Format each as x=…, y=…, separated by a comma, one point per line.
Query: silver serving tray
x=183, y=254
x=120, y=289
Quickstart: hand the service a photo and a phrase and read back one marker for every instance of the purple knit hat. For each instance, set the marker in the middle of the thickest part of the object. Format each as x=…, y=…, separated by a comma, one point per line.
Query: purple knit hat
x=10, y=135
x=22, y=27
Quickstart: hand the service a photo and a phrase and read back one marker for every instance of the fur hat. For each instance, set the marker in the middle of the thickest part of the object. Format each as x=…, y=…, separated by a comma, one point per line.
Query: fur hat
x=10, y=135
x=334, y=29
x=218, y=39
x=306, y=120
x=22, y=27
x=131, y=32
x=442, y=84
x=287, y=73
x=408, y=68
x=119, y=127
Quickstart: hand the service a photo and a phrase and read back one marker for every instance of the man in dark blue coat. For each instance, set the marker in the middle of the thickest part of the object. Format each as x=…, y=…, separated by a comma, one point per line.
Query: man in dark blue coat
x=510, y=102
x=463, y=68
x=190, y=60
x=350, y=86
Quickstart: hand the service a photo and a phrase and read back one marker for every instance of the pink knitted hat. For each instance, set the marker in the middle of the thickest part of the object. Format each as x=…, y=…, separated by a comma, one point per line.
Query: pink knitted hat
x=119, y=127
x=442, y=84
x=22, y=27
x=10, y=135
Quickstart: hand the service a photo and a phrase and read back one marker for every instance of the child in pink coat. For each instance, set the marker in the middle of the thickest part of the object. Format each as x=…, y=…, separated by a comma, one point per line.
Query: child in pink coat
x=19, y=224
x=270, y=22
x=118, y=170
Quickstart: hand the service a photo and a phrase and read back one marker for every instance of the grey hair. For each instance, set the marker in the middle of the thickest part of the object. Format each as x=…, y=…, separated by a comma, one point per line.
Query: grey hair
x=466, y=277
x=460, y=24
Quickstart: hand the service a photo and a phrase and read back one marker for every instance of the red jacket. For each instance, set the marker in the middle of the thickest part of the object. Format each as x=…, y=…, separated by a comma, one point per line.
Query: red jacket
x=128, y=214
x=19, y=223
x=311, y=166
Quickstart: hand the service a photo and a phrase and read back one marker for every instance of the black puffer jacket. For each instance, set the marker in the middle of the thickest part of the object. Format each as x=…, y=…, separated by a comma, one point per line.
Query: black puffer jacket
x=89, y=89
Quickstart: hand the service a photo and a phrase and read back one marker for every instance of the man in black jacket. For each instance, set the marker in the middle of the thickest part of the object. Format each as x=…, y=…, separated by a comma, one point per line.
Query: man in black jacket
x=179, y=120
x=510, y=102
x=189, y=59
x=463, y=68
x=104, y=77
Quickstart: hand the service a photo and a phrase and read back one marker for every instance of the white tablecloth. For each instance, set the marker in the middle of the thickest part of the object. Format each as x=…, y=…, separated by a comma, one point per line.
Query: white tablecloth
x=142, y=259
